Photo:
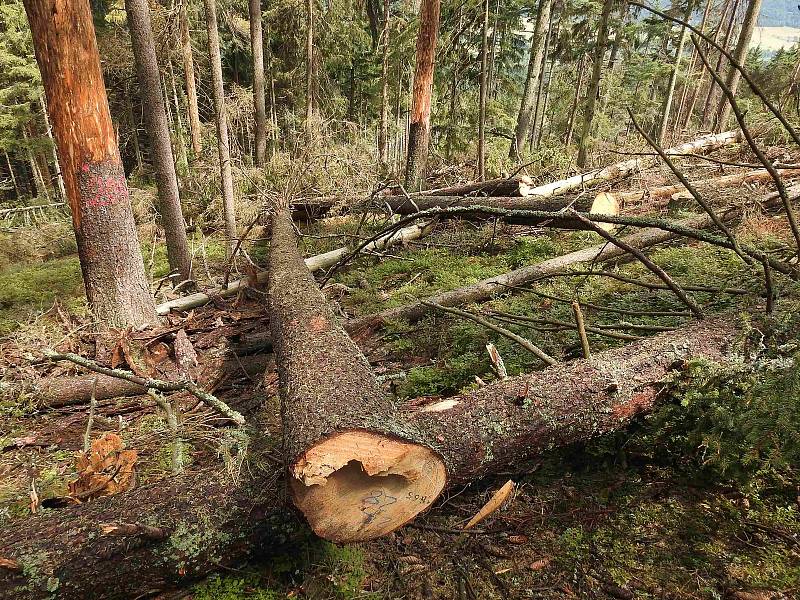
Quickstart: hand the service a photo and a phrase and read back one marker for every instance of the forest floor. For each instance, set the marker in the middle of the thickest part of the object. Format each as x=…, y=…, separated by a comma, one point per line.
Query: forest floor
x=673, y=507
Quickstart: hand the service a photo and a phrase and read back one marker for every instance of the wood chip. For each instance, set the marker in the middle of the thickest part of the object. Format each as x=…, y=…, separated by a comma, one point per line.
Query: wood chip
x=492, y=505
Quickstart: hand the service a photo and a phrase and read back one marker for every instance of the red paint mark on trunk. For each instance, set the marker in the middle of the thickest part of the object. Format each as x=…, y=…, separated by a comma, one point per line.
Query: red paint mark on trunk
x=639, y=403
x=102, y=184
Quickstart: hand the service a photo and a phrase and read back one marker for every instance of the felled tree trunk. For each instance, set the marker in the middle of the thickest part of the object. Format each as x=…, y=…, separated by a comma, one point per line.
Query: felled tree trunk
x=157, y=536
x=349, y=459
x=604, y=204
x=659, y=194
x=501, y=186
x=175, y=530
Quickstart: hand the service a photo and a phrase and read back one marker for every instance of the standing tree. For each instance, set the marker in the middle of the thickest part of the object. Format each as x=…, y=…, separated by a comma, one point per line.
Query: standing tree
x=482, y=101
x=309, y=65
x=155, y=117
x=739, y=55
x=259, y=100
x=191, y=86
x=534, y=70
x=223, y=142
x=673, y=78
x=108, y=246
x=383, y=128
x=594, y=83
x=419, y=134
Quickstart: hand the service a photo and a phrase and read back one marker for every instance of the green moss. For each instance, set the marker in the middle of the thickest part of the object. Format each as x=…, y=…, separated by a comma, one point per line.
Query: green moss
x=29, y=289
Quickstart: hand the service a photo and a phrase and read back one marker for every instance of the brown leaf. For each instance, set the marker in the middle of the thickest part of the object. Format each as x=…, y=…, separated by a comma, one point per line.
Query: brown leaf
x=107, y=469
x=9, y=563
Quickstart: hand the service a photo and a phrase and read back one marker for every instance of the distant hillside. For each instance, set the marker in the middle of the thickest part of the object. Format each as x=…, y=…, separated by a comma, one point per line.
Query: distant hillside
x=779, y=13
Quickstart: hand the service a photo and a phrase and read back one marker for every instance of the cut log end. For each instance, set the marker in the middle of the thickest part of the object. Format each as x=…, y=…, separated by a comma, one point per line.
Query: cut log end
x=605, y=204
x=359, y=485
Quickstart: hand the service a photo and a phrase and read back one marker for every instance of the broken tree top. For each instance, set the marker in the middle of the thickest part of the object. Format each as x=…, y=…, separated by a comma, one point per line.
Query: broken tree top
x=355, y=471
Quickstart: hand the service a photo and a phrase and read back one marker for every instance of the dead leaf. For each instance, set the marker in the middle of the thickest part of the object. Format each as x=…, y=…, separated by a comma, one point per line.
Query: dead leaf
x=107, y=469
x=492, y=505
x=9, y=563
x=540, y=564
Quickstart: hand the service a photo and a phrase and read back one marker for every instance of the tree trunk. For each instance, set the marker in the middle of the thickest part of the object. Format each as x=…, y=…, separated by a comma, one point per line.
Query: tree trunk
x=535, y=130
x=574, y=110
x=690, y=88
x=223, y=141
x=195, y=128
x=420, y=130
x=593, y=92
x=740, y=56
x=502, y=186
x=485, y=289
x=309, y=65
x=108, y=247
x=713, y=88
x=144, y=53
x=176, y=530
x=383, y=128
x=603, y=204
x=616, y=171
x=349, y=459
x=259, y=99
x=534, y=69
x=482, y=94
x=62, y=191
x=658, y=194
x=13, y=177
x=673, y=78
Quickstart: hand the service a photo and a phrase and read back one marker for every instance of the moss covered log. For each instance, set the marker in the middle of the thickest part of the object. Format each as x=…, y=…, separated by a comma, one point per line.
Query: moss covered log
x=355, y=471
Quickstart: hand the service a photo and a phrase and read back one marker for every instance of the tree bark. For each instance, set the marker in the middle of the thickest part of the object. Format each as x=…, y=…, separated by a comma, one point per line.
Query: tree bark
x=713, y=88
x=740, y=56
x=420, y=130
x=534, y=70
x=501, y=186
x=482, y=94
x=188, y=526
x=673, y=78
x=259, y=98
x=605, y=204
x=574, y=110
x=349, y=459
x=309, y=65
x=108, y=247
x=593, y=92
x=223, y=141
x=195, y=128
x=383, y=127
x=148, y=73
x=692, y=85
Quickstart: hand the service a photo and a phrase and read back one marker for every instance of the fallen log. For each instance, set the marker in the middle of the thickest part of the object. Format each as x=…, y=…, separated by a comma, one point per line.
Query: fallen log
x=621, y=169
x=314, y=263
x=486, y=288
x=502, y=186
x=348, y=457
x=666, y=192
x=603, y=204
x=192, y=525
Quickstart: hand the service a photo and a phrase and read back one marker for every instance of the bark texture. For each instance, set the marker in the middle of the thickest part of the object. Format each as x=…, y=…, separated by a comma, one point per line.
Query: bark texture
x=502, y=186
x=223, y=141
x=259, y=98
x=330, y=396
x=593, y=92
x=155, y=117
x=531, y=80
x=108, y=247
x=420, y=129
x=500, y=424
x=195, y=128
